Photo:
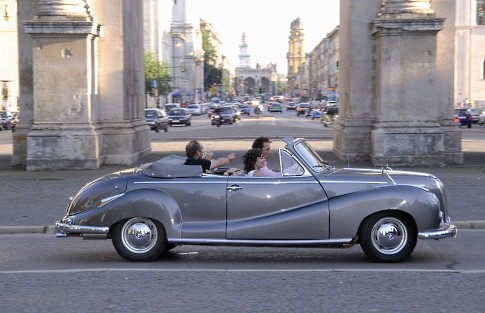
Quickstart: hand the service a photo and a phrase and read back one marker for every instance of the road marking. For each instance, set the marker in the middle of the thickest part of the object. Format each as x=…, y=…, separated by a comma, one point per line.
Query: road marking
x=335, y=270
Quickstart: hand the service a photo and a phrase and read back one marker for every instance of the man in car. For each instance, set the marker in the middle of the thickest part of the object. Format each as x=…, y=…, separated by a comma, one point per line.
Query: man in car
x=194, y=151
x=264, y=143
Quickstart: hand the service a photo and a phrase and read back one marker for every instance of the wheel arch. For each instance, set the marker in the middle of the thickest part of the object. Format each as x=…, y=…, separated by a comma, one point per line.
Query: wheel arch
x=149, y=203
x=406, y=215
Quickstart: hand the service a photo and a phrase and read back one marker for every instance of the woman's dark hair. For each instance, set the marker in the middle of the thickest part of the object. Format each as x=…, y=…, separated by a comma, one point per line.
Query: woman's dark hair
x=250, y=158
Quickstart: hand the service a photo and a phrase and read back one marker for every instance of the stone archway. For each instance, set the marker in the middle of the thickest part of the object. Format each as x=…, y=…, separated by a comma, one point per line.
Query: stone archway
x=249, y=86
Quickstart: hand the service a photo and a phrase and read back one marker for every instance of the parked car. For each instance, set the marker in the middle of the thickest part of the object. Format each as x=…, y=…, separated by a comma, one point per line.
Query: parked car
x=290, y=106
x=179, y=116
x=153, y=208
x=302, y=108
x=227, y=115
x=463, y=117
x=276, y=107
x=156, y=119
x=5, y=118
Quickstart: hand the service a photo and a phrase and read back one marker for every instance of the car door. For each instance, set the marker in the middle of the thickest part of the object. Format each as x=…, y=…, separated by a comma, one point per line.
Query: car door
x=291, y=207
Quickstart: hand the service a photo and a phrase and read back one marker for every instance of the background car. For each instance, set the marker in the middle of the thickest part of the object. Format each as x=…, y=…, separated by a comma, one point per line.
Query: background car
x=302, y=108
x=227, y=115
x=156, y=119
x=475, y=113
x=170, y=106
x=179, y=116
x=195, y=109
x=291, y=106
x=481, y=120
x=331, y=108
x=5, y=118
x=245, y=109
x=463, y=117
x=276, y=107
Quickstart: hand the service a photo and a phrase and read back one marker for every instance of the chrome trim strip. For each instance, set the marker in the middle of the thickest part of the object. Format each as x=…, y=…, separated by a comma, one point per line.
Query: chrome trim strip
x=438, y=234
x=263, y=181
x=256, y=242
x=64, y=229
x=354, y=182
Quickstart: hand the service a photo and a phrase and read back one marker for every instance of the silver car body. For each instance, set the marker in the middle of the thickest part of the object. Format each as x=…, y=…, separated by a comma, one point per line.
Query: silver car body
x=312, y=204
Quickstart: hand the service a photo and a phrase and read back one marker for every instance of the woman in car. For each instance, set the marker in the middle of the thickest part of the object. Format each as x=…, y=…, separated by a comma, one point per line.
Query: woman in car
x=253, y=162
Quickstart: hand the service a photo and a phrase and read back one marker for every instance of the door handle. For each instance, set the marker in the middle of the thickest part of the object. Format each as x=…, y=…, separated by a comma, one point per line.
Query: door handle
x=234, y=188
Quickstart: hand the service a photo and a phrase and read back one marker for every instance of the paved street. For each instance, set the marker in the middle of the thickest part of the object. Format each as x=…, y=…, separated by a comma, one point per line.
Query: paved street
x=33, y=201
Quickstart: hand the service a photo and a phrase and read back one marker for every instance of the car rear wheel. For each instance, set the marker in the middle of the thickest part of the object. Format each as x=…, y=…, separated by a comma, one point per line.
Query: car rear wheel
x=388, y=237
x=139, y=239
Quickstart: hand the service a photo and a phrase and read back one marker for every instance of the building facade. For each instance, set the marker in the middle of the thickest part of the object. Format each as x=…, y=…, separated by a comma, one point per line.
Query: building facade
x=254, y=81
x=470, y=54
x=295, y=57
x=9, y=65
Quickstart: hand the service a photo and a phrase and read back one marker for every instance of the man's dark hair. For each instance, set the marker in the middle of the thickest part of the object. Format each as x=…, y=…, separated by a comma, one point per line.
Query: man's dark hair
x=192, y=147
x=258, y=143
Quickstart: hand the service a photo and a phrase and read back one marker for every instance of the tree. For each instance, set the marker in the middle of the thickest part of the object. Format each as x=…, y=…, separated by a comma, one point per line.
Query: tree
x=212, y=74
x=157, y=76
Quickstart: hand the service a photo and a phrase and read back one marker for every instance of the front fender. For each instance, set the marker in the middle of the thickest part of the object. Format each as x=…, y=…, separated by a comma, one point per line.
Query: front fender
x=347, y=212
x=149, y=203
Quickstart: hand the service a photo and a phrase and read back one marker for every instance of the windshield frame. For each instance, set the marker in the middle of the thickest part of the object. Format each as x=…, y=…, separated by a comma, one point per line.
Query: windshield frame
x=310, y=157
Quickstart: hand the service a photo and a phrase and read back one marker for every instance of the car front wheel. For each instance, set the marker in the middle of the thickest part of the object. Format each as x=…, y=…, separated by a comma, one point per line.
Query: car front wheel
x=139, y=239
x=388, y=237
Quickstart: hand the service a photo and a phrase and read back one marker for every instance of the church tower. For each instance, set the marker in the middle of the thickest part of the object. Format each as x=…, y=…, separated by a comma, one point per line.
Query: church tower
x=296, y=53
x=244, y=57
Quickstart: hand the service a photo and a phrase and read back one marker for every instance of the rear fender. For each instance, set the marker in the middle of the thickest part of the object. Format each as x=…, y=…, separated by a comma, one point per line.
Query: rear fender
x=150, y=203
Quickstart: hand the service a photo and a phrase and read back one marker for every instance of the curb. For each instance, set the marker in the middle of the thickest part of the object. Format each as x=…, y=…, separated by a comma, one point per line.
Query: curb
x=15, y=230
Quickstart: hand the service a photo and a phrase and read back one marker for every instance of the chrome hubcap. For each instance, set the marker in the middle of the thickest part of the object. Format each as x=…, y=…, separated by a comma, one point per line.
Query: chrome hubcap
x=389, y=235
x=139, y=235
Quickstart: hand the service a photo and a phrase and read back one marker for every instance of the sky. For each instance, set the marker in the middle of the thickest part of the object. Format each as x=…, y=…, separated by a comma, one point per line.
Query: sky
x=266, y=24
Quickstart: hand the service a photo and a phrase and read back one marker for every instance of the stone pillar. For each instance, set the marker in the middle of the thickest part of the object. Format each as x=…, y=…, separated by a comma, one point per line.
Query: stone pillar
x=407, y=130
x=64, y=54
x=82, y=94
x=352, y=128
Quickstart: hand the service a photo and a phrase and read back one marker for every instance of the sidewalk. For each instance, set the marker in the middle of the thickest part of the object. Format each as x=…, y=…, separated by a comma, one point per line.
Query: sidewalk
x=33, y=201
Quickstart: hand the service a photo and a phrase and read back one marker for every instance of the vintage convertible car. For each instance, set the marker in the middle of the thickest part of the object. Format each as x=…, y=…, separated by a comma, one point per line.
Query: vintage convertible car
x=153, y=208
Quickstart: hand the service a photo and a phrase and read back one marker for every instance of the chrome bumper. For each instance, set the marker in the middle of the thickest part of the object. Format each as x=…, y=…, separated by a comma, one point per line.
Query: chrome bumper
x=438, y=234
x=65, y=229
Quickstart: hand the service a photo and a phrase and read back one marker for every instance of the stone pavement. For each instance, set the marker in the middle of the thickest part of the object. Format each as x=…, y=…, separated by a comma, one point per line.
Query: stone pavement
x=31, y=202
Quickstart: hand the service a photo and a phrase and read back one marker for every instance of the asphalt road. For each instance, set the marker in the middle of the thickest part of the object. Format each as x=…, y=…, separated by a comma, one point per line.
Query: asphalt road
x=40, y=273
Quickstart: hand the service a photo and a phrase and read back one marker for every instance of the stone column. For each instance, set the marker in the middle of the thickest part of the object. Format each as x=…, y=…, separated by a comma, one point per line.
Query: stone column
x=407, y=129
x=352, y=129
x=62, y=135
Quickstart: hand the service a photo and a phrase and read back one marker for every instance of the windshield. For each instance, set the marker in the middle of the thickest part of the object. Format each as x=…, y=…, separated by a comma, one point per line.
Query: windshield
x=311, y=158
x=176, y=112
